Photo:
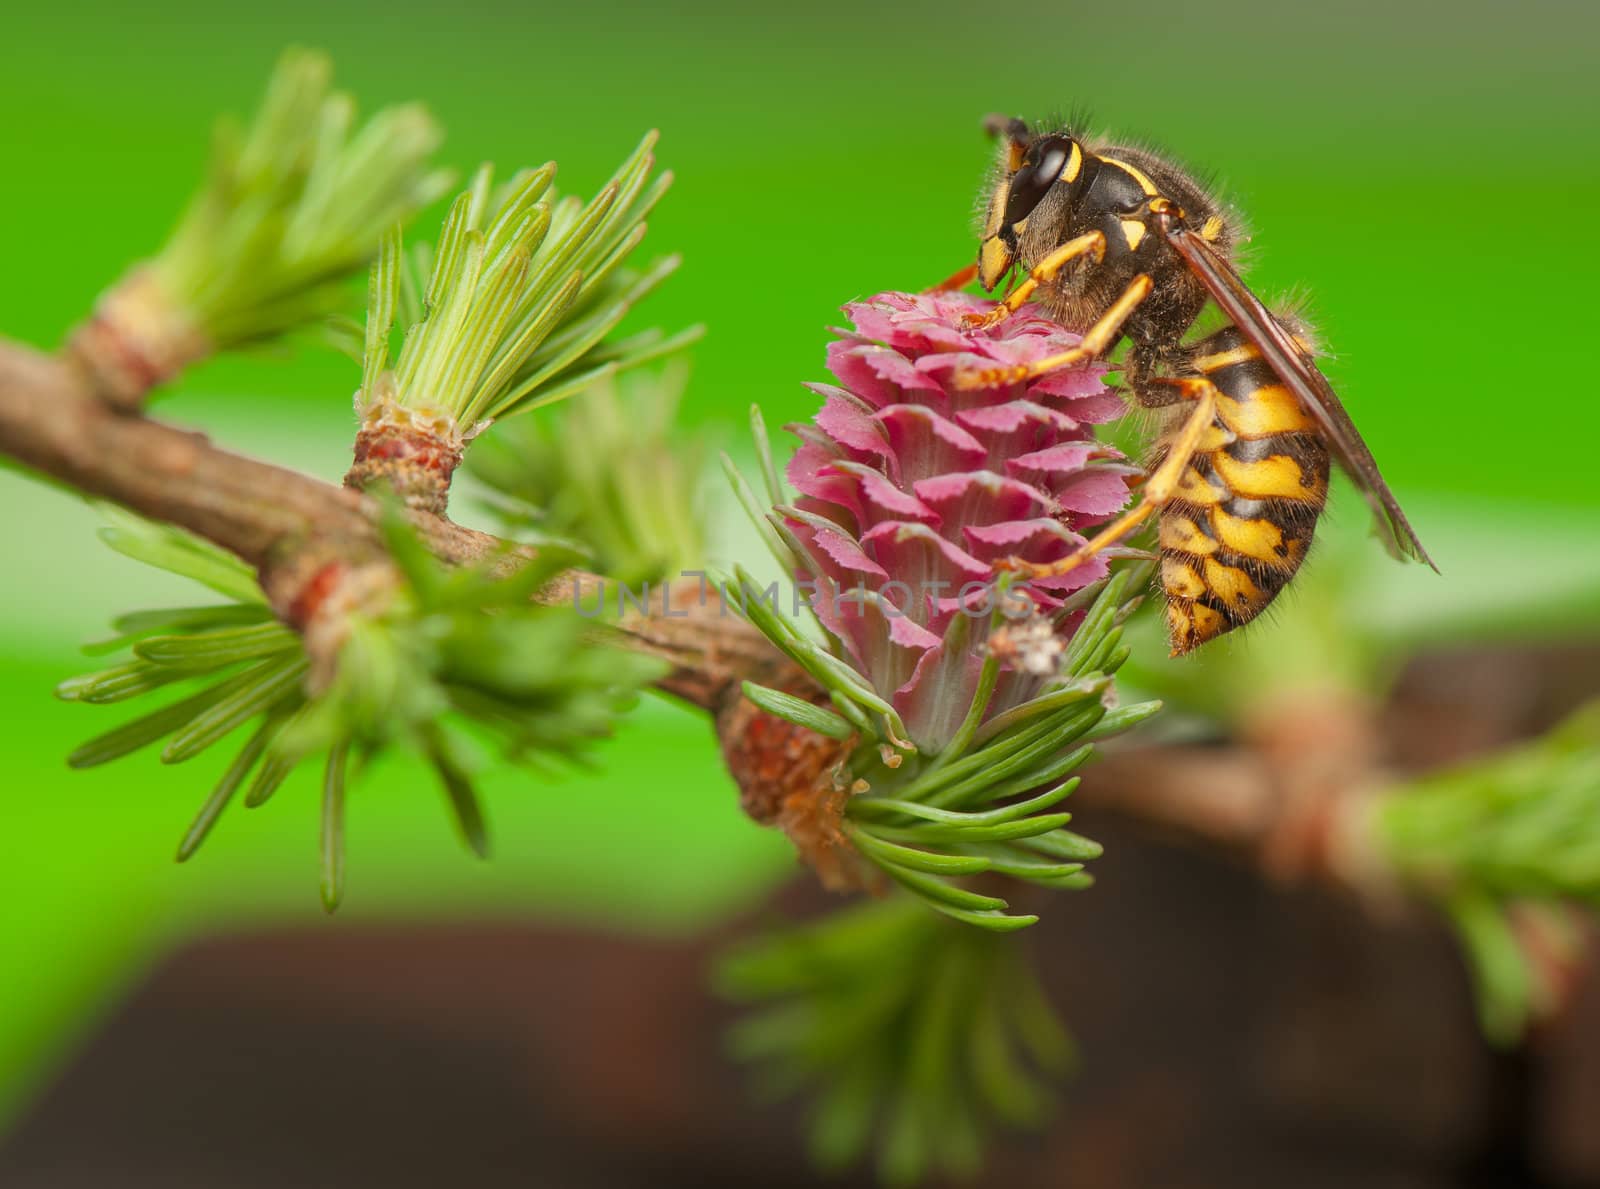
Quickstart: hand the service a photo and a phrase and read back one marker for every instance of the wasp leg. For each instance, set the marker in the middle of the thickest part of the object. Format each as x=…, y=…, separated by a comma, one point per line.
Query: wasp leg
x=1158, y=487
x=1092, y=244
x=956, y=280
x=1096, y=340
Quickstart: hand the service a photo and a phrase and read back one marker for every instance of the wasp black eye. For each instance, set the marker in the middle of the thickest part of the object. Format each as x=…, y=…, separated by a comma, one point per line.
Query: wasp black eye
x=1039, y=171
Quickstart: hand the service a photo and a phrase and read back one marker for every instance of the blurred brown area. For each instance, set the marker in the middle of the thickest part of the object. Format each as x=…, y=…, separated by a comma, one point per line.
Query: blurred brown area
x=1233, y=1033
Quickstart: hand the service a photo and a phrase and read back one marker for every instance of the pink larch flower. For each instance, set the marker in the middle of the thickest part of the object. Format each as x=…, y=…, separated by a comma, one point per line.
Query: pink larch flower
x=912, y=488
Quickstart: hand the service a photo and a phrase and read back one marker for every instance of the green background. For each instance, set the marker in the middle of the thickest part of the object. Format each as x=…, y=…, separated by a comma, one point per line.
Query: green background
x=1427, y=173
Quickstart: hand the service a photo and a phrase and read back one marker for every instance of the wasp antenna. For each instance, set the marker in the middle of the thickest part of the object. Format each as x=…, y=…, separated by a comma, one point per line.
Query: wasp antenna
x=998, y=124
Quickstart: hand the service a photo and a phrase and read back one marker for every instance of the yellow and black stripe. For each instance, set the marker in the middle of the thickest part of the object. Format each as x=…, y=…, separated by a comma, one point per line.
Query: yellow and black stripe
x=1245, y=509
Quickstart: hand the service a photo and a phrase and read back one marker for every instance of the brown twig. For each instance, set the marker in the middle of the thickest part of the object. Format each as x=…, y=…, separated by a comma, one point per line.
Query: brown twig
x=1265, y=801
x=291, y=526
x=1293, y=798
x=1227, y=798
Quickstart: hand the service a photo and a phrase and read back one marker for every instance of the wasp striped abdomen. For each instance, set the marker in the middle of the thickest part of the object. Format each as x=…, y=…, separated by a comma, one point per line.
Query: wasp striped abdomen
x=1245, y=509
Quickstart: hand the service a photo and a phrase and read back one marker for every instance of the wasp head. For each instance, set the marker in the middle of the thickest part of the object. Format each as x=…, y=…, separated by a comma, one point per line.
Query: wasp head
x=1030, y=167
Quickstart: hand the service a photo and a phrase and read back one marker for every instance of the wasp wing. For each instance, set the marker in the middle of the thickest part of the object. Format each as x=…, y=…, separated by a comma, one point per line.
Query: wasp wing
x=1308, y=384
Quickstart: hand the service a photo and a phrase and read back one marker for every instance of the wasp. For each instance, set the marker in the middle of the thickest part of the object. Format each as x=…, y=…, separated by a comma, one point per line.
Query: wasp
x=1121, y=244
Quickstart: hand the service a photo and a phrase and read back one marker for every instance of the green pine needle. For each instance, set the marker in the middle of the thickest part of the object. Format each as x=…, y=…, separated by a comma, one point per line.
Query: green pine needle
x=915, y=1036
x=449, y=651
x=987, y=803
x=981, y=806
x=520, y=297
x=333, y=786
x=798, y=711
x=1514, y=836
x=249, y=755
x=293, y=207
x=610, y=471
